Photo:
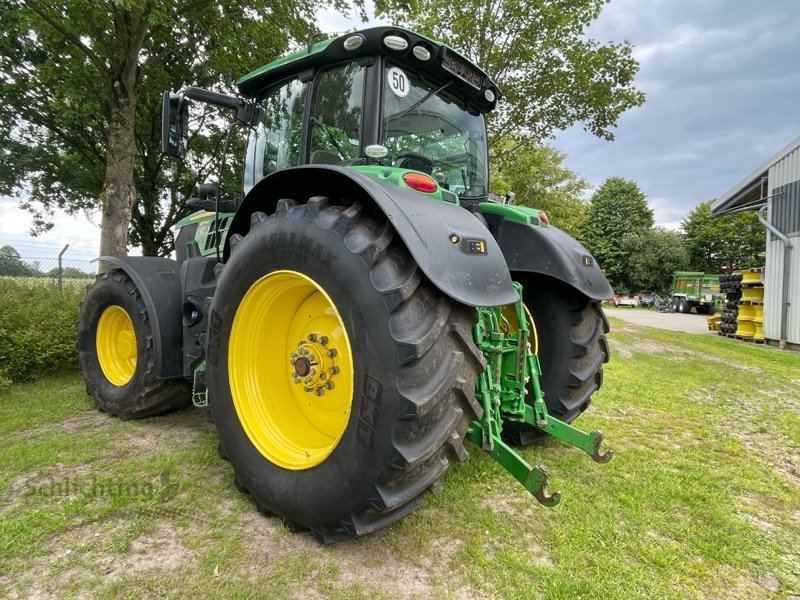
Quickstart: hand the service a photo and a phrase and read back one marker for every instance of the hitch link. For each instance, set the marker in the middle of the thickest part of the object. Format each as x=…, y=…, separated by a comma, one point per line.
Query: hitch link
x=501, y=390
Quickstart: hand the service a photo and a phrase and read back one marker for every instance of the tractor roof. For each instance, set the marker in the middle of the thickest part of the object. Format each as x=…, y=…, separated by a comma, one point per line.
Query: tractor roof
x=443, y=63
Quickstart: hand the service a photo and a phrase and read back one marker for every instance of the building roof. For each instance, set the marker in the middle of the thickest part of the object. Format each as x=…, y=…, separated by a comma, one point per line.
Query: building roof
x=748, y=193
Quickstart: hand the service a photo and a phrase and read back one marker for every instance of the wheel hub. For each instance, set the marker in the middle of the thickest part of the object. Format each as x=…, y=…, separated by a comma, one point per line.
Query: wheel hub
x=115, y=341
x=313, y=364
x=288, y=345
x=126, y=344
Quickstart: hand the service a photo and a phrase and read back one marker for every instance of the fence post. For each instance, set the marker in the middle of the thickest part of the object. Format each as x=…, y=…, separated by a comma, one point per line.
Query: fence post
x=60, y=269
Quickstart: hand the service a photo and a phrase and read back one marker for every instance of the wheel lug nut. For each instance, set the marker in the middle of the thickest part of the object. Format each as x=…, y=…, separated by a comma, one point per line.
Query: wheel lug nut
x=332, y=352
x=323, y=339
x=294, y=374
x=303, y=351
x=333, y=370
x=292, y=361
x=297, y=380
x=307, y=379
x=319, y=392
x=312, y=372
x=322, y=376
x=329, y=385
x=293, y=355
x=312, y=337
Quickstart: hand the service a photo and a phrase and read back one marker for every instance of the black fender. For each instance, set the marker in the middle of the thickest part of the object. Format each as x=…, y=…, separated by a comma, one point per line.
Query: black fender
x=451, y=246
x=158, y=282
x=550, y=251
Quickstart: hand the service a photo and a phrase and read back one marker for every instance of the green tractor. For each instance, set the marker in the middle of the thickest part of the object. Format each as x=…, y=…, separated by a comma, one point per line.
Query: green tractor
x=363, y=307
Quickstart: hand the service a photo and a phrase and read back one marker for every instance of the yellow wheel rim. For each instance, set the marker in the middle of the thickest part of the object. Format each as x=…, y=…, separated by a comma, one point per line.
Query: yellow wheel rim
x=510, y=315
x=116, y=345
x=290, y=369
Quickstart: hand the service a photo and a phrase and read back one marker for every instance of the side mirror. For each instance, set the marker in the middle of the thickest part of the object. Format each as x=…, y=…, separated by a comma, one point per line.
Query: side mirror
x=174, y=124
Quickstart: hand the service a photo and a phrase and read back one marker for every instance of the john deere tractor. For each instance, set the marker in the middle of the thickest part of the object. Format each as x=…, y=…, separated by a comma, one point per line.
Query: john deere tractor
x=363, y=307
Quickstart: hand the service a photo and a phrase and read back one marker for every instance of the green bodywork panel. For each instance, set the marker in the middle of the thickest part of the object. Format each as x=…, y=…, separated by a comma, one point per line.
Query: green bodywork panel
x=512, y=212
x=316, y=48
x=211, y=232
x=210, y=235
x=502, y=390
x=395, y=175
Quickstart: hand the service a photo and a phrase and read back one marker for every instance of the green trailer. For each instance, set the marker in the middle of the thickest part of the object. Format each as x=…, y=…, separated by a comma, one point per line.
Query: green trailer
x=694, y=289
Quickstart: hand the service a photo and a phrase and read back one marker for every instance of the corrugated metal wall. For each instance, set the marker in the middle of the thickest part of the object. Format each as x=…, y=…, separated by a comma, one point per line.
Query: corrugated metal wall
x=783, y=211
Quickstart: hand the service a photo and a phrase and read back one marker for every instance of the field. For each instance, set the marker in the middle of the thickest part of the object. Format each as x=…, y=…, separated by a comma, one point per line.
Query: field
x=702, y=499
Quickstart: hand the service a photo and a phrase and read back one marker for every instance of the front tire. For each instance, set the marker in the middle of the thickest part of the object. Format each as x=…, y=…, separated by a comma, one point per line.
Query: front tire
x=116, y=352
x=571, y=331
x=403, y=370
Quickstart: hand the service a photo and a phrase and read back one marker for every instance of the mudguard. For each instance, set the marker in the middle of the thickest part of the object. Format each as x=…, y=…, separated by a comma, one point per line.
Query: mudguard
x=451, y=246
x=158, y=282
x=550, y=251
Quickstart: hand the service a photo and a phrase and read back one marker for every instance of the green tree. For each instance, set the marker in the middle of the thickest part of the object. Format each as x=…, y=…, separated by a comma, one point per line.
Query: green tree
x=551, y=73
x=725, y=242
x=650, y=257
x=79, y=100
x=538, y=177
x=11, y=264
x=69, y=273
x=618, y=208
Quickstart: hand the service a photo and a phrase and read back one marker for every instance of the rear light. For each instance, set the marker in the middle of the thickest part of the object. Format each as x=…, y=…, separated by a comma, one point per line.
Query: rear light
x=543, y=218
x=420, y=182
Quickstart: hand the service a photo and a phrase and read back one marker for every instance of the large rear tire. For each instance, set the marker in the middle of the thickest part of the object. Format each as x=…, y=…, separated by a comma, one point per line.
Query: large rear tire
x=352, y=458
x=571, y=331
x=115, y=348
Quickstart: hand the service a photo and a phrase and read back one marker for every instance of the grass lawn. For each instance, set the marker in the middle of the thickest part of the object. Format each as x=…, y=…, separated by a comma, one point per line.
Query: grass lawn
x=702, y=499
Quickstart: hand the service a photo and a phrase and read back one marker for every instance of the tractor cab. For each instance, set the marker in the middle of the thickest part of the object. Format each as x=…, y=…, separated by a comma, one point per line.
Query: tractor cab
x=384, y=101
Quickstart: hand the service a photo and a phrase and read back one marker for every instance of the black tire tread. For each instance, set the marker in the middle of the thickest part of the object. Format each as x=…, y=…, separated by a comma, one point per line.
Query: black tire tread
x=567, y=392
x=438, y=363
x=147, y=395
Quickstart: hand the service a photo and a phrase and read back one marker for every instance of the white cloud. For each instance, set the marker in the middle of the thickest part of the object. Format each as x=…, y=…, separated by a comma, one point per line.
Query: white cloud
x=79, y=231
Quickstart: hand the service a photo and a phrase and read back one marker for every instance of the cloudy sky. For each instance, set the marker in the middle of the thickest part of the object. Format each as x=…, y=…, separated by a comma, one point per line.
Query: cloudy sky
x=723, y=95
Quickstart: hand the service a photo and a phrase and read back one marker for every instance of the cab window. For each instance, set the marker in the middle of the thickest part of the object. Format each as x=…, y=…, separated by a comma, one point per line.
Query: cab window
x=274, y=143
x=335, y=123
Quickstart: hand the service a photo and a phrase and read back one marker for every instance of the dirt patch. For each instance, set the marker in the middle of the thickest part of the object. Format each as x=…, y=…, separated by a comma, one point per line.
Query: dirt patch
x=762, y=524
x=620, y=350
x=174, y=430
x=56, y=481
x=395, y=577
x=81, y=423
x=83, y=553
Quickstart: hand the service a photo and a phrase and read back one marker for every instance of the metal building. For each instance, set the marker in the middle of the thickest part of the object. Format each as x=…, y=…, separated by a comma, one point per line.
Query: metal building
x=774, y=190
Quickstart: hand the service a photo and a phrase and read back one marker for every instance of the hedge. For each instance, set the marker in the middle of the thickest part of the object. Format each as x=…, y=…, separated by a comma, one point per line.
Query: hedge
x=37, y=328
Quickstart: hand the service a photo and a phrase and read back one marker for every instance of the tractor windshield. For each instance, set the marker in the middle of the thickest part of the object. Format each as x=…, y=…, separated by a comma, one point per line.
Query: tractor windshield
x=428, y=130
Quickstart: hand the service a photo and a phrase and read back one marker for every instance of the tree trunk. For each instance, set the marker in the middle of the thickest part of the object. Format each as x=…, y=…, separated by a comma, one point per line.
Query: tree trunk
x=119, y=190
